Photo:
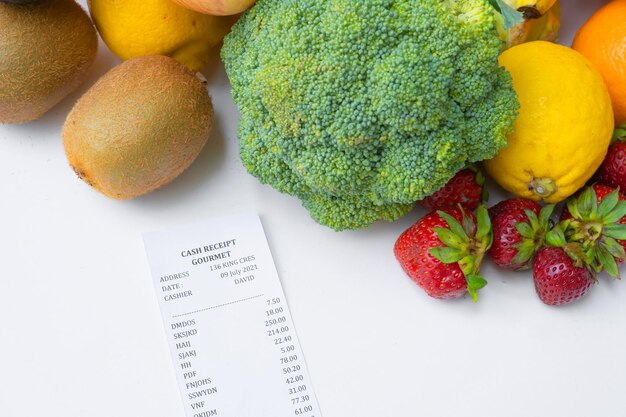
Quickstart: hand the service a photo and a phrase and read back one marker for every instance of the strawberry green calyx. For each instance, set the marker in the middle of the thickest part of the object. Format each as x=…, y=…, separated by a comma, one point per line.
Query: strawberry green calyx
x=594, y=227
x=480, y=178
x=619, y=135
x=556, y=238
x=481, y=181
x=533, y=233
x=466, y=243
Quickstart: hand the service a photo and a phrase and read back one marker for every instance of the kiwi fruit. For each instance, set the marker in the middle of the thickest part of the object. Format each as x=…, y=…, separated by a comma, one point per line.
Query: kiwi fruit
x=139, y=127
x=46, y=50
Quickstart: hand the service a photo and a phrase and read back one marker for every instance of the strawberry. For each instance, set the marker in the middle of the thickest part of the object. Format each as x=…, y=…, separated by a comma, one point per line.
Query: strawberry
x=557, y=279
x=442, y=252
x=595, y=220
x=466, y=188
x=519, y=228
x=612, y=172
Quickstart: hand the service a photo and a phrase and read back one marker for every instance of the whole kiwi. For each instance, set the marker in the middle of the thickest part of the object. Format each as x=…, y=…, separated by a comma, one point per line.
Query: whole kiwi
x=140, y=126
x=46, y=50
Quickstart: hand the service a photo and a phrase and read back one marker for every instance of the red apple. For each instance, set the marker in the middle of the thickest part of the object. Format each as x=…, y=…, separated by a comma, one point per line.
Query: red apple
x=217, y=7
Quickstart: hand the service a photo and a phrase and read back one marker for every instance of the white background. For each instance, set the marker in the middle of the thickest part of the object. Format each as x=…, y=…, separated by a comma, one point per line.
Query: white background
x=81, y=334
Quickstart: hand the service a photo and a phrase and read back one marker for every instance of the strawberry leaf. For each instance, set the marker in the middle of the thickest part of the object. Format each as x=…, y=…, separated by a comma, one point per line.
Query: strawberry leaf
x=446, y=255
x=619, y=135
x=607, y=261
x=587, y=202
x=616, y=214
x=556, y=237
x=484, y=231
x=453, y=224
x=532, y=219
x=475, y=283
x=545, y=214
x=614, y=248
x=572, y=207
x=525, y=230
x=468, y=264
x=607, y=204
x=593, y=214
x=468, y=223
x=615, y=230
x=480, y=178
x=485, y=195
x=450, y=239
x=525, y=251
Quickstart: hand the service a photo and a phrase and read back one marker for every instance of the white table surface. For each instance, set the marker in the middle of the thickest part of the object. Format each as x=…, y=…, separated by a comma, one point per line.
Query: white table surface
x=81, y=334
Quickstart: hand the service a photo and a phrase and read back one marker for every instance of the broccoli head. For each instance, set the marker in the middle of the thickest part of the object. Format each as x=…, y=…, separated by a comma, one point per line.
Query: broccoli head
x=362, y=107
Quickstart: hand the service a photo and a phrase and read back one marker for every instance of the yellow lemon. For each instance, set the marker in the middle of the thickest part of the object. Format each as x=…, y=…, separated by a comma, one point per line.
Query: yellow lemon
x=133, y=28
x=564, y=127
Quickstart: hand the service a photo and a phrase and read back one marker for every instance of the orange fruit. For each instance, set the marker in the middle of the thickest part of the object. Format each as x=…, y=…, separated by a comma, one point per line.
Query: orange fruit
x=602, y=39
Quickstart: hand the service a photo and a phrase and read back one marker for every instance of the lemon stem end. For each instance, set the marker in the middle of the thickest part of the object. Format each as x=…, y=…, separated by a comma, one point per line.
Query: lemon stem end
x=542, y=187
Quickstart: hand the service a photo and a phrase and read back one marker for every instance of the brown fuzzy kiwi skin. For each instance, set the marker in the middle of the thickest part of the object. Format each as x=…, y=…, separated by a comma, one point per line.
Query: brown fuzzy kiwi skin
x=46, y=51
x=139, y=127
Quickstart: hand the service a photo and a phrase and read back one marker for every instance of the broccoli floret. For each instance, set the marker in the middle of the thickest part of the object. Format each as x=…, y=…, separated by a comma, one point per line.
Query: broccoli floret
x=362, y=107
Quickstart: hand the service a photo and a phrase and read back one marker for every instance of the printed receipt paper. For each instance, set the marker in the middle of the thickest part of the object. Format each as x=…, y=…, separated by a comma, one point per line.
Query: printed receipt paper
x=233, y=343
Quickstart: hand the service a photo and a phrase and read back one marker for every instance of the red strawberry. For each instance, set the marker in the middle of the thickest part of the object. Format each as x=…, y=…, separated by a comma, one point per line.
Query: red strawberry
x=557, y=279
x=442, y=252
x=518, y=231
x=612, y=172
x=465, y=188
